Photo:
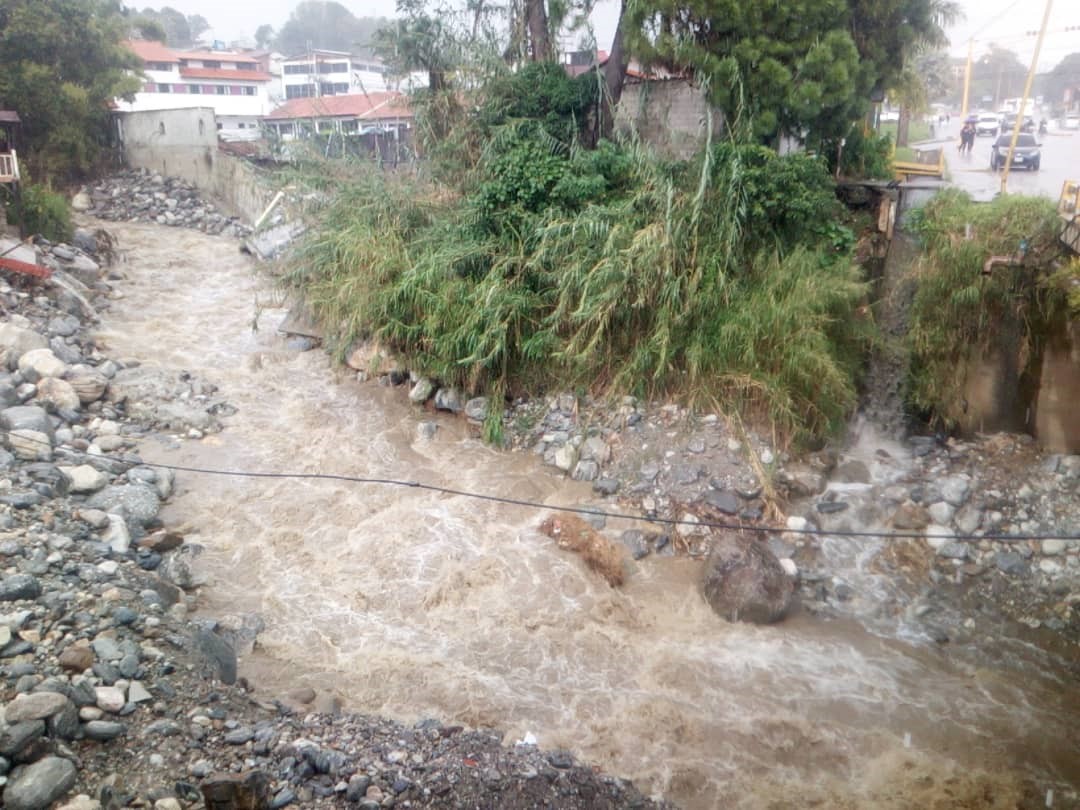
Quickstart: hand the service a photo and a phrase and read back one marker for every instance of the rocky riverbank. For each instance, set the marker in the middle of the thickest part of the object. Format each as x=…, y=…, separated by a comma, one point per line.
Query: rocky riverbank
x=950, y=500
x=113, y=695
x=139, y=195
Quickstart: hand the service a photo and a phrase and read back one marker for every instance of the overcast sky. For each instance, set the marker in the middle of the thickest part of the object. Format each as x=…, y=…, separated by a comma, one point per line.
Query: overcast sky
x=1001, y=21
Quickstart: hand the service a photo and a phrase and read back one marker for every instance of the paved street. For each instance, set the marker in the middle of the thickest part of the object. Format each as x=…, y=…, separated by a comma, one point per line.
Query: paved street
x=971, y=172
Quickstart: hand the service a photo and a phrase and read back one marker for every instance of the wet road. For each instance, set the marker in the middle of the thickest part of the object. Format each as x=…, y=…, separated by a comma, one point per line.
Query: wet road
x=971, y=172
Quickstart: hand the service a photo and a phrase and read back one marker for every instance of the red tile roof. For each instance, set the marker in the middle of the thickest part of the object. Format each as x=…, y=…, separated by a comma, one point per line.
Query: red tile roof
x=150, y=51
x=224, y=73
x=371, y=106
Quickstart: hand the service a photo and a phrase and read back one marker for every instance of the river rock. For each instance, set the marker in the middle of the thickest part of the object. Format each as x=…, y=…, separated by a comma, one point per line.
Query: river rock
x=57, y=393
x=26, y=417
x=40, y=363
x=803, y=480
x=81, y=202
x=76, y=658
x=109, y=698
x=421, y=392
x=938, y=536
x=910, y=517
x=37, y=706
x=15, y=341
x=179, y=568
x=217, y=652
x=139, y=502
x=596, y=449
x=954, y=489
x=566, y=457
x=476, y=409
x=941, y=512
x=19, y=586
x=449, y=399
x=743, y=580
x=250, y=789
x=85, y=478
x=104, y=730
x=38, y=785
x=116, y=535
x=30, y=445
x=88, y=384
x=15, y=738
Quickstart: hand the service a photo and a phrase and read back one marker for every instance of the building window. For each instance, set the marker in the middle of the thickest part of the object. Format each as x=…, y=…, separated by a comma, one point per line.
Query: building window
x=163, y=66
x=195, y=89
x=211, y=63
x=297, y=70
x=219, y=126
x=299, y=90
x=241, y=126
x=164, y=88
x=222, y=90
x=326, y=126
x=333, y=67
x=249, y=91
x=343, y=87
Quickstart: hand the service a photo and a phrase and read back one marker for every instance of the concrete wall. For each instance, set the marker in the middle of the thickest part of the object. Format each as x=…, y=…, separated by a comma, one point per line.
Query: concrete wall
x=669, y=114
x=184, y=143
x=1057, y=412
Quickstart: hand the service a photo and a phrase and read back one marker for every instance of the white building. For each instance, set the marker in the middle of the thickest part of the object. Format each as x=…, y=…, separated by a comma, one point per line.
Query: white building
x=336, y=73
x=234, y=85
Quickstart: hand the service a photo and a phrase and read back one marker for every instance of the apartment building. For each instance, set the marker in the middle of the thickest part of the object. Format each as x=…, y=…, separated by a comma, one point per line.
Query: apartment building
x=235, y=85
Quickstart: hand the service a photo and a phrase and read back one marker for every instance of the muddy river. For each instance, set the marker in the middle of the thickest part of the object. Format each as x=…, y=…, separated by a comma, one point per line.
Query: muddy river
x=414, y=604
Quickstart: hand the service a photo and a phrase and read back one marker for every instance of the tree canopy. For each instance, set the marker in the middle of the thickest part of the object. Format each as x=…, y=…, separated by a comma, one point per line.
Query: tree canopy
x=180, y=31
x=326, y=25
x=802, y=68
x=1065, y=75
x=62, y=63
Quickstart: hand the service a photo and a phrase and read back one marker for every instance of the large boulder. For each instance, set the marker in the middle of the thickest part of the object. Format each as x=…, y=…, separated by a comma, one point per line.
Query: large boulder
x=744, y=581
x=88, y=383
x=138, y=503
x=37, y=786
x=15, y=341
x=38, y=364
x=57, y=394
x=26, y=417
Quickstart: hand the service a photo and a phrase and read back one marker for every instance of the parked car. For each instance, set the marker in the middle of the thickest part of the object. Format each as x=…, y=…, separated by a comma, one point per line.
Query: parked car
x=1008, y=121
x=987, y=125
x=1027, y=154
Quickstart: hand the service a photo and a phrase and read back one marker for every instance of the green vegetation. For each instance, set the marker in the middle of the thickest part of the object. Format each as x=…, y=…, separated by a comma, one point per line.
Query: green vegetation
x=958, y=312
x=61, y=65
x=44, y=212
x=724, y=281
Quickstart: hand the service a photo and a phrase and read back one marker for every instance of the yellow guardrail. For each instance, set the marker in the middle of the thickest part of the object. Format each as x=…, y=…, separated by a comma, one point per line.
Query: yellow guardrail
x=927, y=163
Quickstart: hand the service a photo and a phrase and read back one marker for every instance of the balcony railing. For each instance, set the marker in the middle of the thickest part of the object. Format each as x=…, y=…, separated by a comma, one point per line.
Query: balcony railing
x=9, y=167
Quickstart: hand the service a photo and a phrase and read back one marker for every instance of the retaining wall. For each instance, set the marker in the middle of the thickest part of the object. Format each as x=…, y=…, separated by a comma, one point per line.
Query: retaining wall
x=184, y=143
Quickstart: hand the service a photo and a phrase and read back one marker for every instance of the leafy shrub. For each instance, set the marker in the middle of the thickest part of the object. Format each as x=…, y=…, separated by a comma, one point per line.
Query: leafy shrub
x=44, y=212
x=957, y=312
x=863, y=156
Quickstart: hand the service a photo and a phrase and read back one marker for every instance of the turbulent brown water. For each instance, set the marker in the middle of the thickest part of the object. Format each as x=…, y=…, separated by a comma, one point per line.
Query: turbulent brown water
x=415, y=604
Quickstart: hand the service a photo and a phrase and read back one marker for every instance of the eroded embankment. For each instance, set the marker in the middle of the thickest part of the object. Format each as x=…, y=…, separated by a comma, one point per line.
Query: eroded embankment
x=415, y=604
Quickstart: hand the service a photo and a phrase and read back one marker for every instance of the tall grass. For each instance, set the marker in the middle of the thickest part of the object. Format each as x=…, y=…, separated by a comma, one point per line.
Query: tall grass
x=670, y=281
x=959, y=314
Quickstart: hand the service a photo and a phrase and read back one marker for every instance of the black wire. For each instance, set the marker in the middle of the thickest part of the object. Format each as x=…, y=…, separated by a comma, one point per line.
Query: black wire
x=742, y=527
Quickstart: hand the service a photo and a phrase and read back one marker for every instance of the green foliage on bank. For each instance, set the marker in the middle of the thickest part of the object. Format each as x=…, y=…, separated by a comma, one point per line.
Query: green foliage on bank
x=44, y=212
x=958, y=313
x=724, y=281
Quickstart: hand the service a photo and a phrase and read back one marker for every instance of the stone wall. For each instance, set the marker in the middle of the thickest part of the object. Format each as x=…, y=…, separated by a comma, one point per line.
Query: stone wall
x=184, y=144
x=669, y=114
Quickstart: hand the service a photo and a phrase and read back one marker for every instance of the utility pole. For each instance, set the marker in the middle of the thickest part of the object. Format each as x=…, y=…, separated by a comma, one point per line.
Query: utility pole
x=1024, y=99
x=967, y=80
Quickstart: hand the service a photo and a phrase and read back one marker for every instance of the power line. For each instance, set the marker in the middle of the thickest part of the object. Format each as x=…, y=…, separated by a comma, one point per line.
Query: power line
x=394, y=482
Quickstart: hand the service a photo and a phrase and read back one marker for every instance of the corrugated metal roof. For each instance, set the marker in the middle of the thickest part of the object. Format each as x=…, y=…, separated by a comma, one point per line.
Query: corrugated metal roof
x=9, y=117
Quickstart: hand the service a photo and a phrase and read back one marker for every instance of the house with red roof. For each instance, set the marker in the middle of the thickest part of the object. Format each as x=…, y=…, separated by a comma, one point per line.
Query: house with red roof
x=235, y=85
x=351, y=114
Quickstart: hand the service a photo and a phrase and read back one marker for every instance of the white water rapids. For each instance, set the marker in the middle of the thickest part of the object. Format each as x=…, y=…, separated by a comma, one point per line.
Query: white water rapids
x=414, y=604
